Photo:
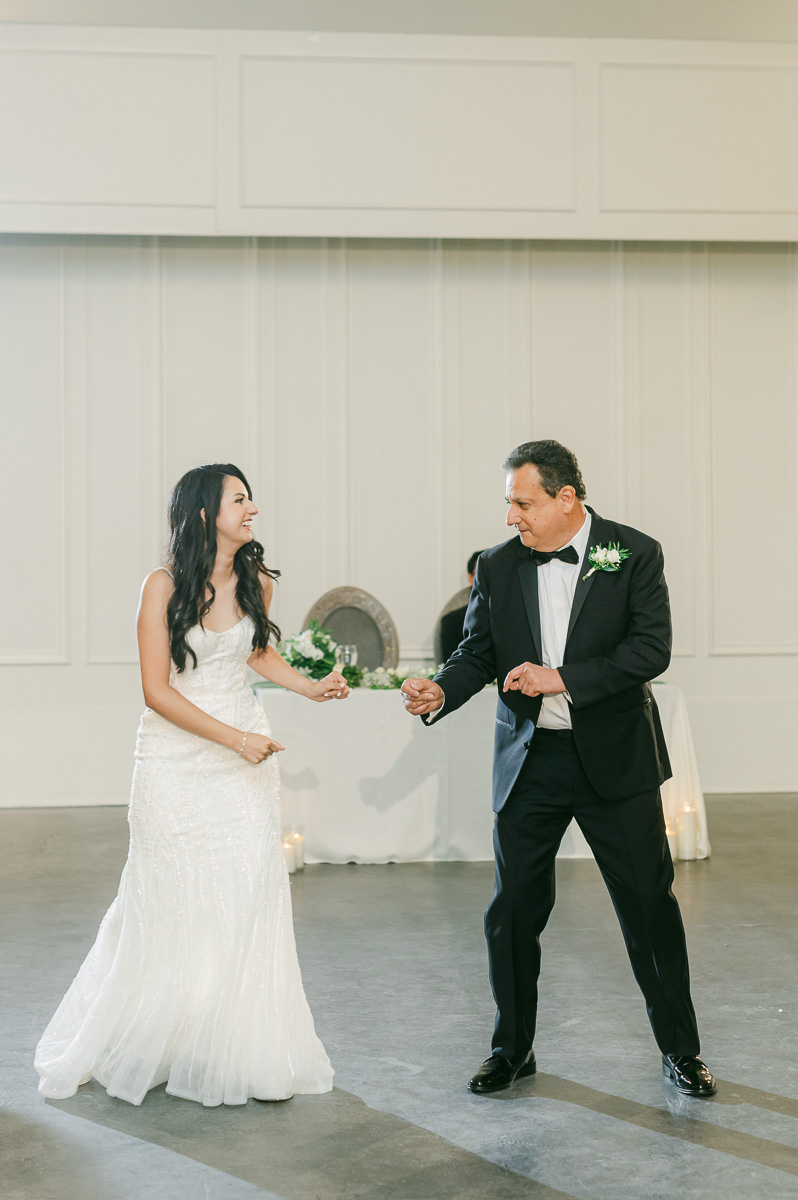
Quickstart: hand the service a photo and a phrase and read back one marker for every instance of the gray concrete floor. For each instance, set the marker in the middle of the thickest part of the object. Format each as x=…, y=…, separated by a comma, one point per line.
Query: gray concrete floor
x=394, y=966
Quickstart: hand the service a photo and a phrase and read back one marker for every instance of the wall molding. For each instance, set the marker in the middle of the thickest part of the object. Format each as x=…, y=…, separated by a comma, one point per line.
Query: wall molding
x=717, y=400
x=61, y=654
x=583, y=179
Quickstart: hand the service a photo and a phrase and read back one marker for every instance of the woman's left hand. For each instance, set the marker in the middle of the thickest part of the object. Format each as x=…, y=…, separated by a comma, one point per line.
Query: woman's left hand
x=332, y=687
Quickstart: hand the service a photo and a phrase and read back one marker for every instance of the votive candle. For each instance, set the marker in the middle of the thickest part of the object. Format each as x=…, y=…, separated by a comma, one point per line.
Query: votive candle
x=688, y=833
x=289, y=853
x=673, y=844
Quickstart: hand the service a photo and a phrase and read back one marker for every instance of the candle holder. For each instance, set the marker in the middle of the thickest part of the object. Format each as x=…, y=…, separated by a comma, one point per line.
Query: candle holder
x=673, y=843
x=289, y=854
x=687, y=833
x=297, y=835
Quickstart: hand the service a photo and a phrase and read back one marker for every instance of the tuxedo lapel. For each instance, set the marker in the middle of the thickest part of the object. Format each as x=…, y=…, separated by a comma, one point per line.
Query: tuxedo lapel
x=585, y=581
x=528, y=576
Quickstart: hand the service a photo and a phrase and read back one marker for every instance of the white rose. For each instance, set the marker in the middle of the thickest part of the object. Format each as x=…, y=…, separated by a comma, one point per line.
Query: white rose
x=600, y=554
x=613, y=556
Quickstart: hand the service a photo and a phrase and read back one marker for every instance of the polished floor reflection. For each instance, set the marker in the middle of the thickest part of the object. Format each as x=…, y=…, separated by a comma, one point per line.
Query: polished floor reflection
x=394, y=967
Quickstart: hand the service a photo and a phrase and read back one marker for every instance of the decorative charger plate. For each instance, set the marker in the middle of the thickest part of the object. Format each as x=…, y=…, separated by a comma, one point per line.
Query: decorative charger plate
x=355, y=617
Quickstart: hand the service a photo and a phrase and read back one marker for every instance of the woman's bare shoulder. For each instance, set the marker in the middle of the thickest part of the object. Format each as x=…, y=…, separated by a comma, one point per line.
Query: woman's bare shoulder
x=158, y=586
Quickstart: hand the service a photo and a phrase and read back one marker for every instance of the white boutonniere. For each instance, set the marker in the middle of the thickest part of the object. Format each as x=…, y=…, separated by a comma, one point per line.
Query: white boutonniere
x=606, y=558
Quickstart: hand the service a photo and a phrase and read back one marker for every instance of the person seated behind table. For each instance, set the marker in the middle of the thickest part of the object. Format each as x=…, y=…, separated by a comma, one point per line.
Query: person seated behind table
x=451, y=633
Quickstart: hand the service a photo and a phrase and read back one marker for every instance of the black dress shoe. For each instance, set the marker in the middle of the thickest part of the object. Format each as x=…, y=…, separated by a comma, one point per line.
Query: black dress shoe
x=689, y=1074
x=497, y=1073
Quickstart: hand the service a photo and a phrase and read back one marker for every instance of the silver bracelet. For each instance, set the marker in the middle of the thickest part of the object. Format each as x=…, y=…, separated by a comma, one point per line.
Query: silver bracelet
x=243, y=744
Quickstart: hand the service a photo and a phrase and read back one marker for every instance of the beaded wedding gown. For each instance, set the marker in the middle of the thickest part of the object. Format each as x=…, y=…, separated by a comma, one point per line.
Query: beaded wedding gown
x=193, y=979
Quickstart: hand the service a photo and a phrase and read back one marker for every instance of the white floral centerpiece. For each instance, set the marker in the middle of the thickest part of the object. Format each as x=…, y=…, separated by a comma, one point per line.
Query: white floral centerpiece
x=311, y=652
x=384, y=679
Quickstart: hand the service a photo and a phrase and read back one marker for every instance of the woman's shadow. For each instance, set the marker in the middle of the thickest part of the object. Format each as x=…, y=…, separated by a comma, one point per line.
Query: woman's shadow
x=311, y=1146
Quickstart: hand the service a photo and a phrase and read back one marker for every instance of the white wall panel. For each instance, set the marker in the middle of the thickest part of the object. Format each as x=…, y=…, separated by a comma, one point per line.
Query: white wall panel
x=662, y=453
x=89, y=759
x=370, y=391
x=577, y=383
x=33, y=482
x=753, y=451
x=394, y=133
x=393, y=397
x=305, y=423
x=253, y=133
x=106, y=128
x=490, y=410
x=709, y=138
x=209, y=390
x=123, y=517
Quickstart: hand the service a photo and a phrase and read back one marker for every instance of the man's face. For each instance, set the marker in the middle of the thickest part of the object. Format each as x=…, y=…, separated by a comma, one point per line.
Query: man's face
x=543, y=521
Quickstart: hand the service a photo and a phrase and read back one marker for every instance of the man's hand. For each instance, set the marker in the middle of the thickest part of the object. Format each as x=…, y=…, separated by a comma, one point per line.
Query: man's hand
x=533, y=680
x=421, y=696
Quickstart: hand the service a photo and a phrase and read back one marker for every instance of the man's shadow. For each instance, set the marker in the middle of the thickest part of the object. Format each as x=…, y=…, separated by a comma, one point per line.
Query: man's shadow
x=311, y=1146
x=335, y=1145
x=682, y=1119
x=417, y=763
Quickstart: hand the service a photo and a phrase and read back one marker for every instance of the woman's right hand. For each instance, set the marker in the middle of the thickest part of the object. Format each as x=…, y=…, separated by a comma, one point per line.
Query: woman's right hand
x=258, y=748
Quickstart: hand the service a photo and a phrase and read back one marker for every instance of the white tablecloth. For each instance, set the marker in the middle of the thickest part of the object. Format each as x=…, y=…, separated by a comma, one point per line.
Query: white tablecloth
x=372, y=785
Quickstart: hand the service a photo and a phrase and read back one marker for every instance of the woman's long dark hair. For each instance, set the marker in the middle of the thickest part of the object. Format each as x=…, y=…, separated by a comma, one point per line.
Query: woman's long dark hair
x=192, y=556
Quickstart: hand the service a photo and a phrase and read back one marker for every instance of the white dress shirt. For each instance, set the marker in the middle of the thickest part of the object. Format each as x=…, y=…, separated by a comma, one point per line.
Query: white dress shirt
x=557, y=582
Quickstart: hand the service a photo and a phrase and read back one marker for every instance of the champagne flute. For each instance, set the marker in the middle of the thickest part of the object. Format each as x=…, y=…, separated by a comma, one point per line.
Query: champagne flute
x=345, y=656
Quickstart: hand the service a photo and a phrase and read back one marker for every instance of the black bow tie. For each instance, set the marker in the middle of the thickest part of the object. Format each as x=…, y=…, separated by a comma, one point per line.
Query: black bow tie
x=541, y=557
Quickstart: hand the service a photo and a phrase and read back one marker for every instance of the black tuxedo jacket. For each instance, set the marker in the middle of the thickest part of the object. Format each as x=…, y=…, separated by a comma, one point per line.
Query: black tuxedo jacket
x=619, y=638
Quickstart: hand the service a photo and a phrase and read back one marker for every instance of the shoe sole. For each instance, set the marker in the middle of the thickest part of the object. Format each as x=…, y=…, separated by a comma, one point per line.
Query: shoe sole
x=528, y=1069
x=699, y=1094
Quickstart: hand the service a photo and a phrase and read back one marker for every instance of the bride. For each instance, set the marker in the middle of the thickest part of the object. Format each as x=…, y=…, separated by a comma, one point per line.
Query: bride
x=193, y=979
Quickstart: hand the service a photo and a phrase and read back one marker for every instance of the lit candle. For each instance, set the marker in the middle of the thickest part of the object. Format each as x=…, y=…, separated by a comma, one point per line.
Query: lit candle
x=299, y=847
x=688, y=833
x=673, y=843
x=289, y=853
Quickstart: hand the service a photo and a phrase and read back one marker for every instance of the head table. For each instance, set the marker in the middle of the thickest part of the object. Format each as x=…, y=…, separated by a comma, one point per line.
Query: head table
x=370, y=784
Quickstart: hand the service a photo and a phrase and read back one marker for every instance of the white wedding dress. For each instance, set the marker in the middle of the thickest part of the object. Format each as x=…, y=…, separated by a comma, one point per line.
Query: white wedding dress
x=193, y=979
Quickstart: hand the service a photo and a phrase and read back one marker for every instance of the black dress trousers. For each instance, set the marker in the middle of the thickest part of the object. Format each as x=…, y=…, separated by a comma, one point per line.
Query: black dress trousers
x=629, y=842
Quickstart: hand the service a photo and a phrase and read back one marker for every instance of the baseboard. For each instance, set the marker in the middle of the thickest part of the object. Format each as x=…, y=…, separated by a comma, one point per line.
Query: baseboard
x=68, y=802
x=761, y=793
x=61, y=802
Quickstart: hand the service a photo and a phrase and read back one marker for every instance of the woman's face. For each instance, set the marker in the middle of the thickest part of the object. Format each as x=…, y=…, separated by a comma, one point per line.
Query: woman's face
x=236, y=511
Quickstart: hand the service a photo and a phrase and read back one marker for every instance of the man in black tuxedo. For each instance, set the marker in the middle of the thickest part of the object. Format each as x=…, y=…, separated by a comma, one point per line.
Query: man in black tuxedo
x=574, y=638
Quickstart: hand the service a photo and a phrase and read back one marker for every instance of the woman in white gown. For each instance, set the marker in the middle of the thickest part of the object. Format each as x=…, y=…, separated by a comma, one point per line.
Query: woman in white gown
x=193, y=979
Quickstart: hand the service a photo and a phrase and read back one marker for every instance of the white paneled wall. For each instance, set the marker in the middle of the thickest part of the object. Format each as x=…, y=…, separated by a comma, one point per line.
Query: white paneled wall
x=370, y=390
x=266, y=133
